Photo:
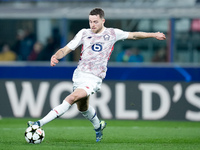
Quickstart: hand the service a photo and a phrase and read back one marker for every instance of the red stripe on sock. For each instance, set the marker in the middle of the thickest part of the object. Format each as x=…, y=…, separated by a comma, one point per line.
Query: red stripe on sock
x=56, y=111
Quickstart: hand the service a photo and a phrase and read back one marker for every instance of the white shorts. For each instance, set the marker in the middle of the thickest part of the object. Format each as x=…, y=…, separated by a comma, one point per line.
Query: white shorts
x=87, y=81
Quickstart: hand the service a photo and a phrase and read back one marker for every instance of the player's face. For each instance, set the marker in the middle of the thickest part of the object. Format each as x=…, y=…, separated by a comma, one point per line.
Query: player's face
x=96, y=23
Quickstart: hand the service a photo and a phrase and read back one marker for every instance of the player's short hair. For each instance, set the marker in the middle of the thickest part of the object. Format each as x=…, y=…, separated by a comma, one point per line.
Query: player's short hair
x=97, y=11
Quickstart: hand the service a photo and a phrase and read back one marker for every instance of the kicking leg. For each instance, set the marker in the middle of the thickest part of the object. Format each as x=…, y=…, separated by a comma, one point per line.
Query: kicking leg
x=59, y=110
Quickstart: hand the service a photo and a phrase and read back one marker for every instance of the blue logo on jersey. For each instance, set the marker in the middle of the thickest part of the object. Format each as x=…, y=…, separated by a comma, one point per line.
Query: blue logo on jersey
x=97, y=47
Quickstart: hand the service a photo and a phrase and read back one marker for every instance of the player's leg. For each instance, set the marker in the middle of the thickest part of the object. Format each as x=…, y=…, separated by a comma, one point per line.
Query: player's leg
x=62, y=108
x=89, y=113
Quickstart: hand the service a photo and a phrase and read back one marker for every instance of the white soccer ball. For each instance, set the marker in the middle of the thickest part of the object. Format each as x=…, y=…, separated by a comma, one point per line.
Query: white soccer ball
x=34, y=134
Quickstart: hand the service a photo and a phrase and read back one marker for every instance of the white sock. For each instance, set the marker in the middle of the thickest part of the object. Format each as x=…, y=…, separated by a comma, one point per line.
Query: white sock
x=91, y=115
x=55, y=113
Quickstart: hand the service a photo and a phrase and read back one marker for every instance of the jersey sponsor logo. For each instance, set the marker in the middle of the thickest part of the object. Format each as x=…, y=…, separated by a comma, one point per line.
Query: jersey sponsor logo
x=97, y=47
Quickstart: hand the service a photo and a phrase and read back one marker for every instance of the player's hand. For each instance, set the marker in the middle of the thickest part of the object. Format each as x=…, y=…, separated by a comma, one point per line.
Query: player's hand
x=54, y=60
x=160, y=36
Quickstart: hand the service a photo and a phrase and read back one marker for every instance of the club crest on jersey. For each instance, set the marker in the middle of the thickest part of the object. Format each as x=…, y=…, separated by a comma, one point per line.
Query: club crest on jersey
x=97, y=47
x=106, y=37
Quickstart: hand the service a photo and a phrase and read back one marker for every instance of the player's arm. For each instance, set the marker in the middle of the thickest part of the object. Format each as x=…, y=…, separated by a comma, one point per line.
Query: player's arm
x=60, y=54
x=72, y=45
x=144, y=35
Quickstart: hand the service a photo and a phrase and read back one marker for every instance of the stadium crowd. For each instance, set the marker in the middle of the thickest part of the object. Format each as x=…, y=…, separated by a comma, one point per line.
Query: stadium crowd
x=27, y=48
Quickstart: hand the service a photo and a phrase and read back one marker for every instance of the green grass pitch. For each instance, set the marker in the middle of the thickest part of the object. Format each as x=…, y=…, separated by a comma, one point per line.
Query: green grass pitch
x=74, y=134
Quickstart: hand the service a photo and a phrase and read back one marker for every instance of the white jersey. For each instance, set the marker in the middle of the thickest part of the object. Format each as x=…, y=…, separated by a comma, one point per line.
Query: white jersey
x=96, y=49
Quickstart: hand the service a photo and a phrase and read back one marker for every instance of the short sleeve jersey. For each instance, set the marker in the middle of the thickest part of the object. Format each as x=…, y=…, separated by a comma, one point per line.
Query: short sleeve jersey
x=96, y=49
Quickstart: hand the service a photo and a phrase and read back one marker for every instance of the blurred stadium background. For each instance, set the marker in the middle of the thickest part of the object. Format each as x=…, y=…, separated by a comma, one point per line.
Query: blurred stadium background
x=159, y=78
x=62, y=19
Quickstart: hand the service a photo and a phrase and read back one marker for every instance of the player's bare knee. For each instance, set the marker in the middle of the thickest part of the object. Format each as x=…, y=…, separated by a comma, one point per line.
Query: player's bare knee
x=72, y=98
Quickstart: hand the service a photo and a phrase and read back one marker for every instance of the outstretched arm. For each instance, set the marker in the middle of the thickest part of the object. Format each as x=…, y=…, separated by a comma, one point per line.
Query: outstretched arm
x=144, y=35
x=59, y=54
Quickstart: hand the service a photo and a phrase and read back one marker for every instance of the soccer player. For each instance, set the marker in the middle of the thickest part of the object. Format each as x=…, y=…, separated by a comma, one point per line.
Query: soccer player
x=97, y=45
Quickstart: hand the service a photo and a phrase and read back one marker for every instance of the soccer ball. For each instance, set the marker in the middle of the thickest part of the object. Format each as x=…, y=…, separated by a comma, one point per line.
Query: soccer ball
x=34, y=134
